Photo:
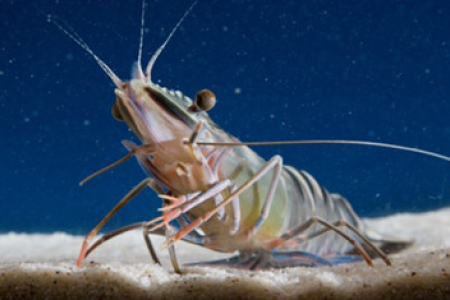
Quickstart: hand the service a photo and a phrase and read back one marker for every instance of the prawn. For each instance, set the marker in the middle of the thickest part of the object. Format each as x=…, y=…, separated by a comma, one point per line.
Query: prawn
x=220, y=193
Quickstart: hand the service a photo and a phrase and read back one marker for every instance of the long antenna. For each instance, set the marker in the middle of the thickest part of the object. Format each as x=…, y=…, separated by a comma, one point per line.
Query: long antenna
x=310, y=142
x=67, y=30
x=141, y=42
x=155, y=56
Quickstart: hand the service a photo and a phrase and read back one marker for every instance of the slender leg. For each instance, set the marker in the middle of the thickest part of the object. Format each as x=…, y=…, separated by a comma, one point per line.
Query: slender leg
x=172, y=254
x=236, y=210
x=147, y=149
x=111, y=235
x=149, y=244
x=194, y=234
x=341, y=223
x=173, y=257
x=191, y=238
x=277, y=165
x=273, y=162
x=136, y=190
x=184, y=204
x=295, y=232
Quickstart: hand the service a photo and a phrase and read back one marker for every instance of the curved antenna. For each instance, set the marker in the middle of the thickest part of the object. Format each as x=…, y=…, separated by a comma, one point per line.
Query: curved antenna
x=344, y=142
x=67, y=30
x=155, y=56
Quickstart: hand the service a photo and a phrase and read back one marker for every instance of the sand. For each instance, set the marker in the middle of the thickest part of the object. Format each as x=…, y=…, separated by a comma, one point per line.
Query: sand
x=42, y=266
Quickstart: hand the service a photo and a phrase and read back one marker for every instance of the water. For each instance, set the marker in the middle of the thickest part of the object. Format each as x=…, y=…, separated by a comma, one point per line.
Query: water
x=280, y=69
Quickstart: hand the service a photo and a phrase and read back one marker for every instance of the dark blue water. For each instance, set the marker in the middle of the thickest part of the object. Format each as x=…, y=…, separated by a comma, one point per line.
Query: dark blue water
x=366, y=70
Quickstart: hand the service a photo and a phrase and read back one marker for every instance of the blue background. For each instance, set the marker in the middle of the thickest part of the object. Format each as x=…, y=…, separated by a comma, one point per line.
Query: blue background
x=367, y=70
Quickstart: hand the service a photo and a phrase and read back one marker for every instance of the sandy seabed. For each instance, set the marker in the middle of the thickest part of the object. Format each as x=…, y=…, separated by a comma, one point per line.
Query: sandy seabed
x=42, y=266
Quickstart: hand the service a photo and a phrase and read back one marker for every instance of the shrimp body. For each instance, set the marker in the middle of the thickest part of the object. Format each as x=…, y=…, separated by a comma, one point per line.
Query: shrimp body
x=221, y=194
x=229, y=196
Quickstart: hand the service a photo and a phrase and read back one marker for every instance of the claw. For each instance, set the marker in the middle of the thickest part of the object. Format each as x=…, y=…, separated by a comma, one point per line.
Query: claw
x=176, y=202
x=170, y=207
x=169, y=198
x=166, y=218
x=166, y=208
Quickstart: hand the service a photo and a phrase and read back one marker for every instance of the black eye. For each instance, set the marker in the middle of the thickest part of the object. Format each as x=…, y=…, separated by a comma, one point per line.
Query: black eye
x=204, y=101
x=116, y=112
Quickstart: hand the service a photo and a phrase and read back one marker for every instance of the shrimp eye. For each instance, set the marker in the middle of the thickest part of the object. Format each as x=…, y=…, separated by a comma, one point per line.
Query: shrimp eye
x=204, y=101
x=116, y=112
